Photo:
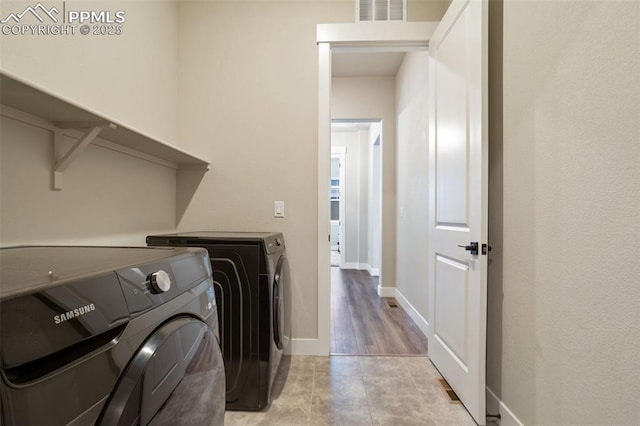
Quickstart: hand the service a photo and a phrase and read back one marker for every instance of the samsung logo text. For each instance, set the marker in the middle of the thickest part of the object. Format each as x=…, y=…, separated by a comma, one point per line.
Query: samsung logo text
x=66, y=316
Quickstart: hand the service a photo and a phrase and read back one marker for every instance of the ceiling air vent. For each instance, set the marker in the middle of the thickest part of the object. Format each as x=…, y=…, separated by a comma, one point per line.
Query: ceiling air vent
x=381, y=10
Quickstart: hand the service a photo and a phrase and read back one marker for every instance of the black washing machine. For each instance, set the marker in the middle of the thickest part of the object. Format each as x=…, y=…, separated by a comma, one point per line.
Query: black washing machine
x=251, y=281
x=109, y=336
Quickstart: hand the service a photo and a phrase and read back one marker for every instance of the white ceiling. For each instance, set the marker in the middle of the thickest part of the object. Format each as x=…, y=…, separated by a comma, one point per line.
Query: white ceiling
x=356, y=64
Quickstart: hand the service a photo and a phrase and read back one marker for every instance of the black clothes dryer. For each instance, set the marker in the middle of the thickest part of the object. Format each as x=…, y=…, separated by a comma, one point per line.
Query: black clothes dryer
x=251, y=280
x=109, y=336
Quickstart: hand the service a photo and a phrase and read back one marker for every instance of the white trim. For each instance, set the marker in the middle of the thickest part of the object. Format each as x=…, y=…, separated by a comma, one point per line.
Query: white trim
x=374, y=272
x=306, y=347
x=493, y=403
x=386, y=291
x=359, y=223
x=422, y=323
x=337, y=246
x=494, y=406
x=342, y=222
x=385, y=33
x=324, y=173
x=350, y=265
x=339, y=153
x=329, y=36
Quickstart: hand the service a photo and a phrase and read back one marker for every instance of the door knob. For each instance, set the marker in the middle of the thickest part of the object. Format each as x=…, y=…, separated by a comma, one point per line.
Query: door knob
x=472, y=248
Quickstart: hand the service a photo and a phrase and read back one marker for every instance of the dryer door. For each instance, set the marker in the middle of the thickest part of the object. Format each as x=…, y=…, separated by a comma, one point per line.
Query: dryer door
x=177, y=376
x=281, y=304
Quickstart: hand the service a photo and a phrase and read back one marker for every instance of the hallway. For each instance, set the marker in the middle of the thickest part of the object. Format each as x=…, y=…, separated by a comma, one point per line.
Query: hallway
x=364, y=324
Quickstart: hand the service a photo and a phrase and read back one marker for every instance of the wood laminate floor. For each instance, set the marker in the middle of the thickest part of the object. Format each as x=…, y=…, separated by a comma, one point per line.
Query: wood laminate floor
x=364, y=324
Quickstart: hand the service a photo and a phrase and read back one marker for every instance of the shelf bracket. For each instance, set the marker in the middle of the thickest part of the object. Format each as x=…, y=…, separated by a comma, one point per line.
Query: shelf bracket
x=61, y=164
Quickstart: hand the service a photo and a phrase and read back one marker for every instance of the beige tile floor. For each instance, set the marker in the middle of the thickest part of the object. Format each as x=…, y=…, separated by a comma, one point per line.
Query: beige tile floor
x=345, y=390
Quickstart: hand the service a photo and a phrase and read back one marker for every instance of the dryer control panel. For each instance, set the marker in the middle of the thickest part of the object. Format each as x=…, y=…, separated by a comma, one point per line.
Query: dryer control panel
x=274, y=243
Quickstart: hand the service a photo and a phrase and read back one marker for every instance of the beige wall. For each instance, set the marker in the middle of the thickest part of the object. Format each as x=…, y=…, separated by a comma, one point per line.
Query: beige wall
x=248, y=100
x=108, y=198
x=495, y=264
x=130, y=78
x=426, y=10
x=569, y=297
x=235, y=82
x=412, y=180
x=563, y=303
x=373, y=98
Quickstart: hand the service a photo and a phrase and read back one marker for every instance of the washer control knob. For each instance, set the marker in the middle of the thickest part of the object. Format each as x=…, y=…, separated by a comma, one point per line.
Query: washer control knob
x=159, y=282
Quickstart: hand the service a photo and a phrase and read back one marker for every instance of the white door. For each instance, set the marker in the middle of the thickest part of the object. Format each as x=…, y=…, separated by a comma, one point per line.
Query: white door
x=458, y=200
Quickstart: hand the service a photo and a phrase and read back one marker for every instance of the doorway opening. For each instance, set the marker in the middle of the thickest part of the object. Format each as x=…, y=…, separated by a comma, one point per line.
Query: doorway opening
x=356, y=233
x=455, y=183
x=355, y=194
x=366, y=319
x=363, y=82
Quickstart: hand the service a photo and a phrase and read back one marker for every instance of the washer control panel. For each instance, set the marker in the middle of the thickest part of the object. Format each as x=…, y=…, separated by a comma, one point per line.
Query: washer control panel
x=153, y=284
x=159, y=282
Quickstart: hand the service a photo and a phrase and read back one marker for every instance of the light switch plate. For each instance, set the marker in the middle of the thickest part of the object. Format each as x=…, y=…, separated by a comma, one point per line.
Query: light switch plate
x=278, y=209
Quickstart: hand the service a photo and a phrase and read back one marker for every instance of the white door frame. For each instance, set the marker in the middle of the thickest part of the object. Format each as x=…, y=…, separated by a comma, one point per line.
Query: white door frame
x=372, y=36
x=375, y=226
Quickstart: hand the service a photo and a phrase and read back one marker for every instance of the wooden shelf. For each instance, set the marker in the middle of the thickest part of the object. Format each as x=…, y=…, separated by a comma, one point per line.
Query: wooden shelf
x=64, y=114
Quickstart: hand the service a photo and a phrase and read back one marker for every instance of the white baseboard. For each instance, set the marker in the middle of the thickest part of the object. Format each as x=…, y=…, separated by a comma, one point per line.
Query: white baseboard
x=422, y=323
x=374, y=272
x=386, y=291
x=307, y=347
x=495, y=406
